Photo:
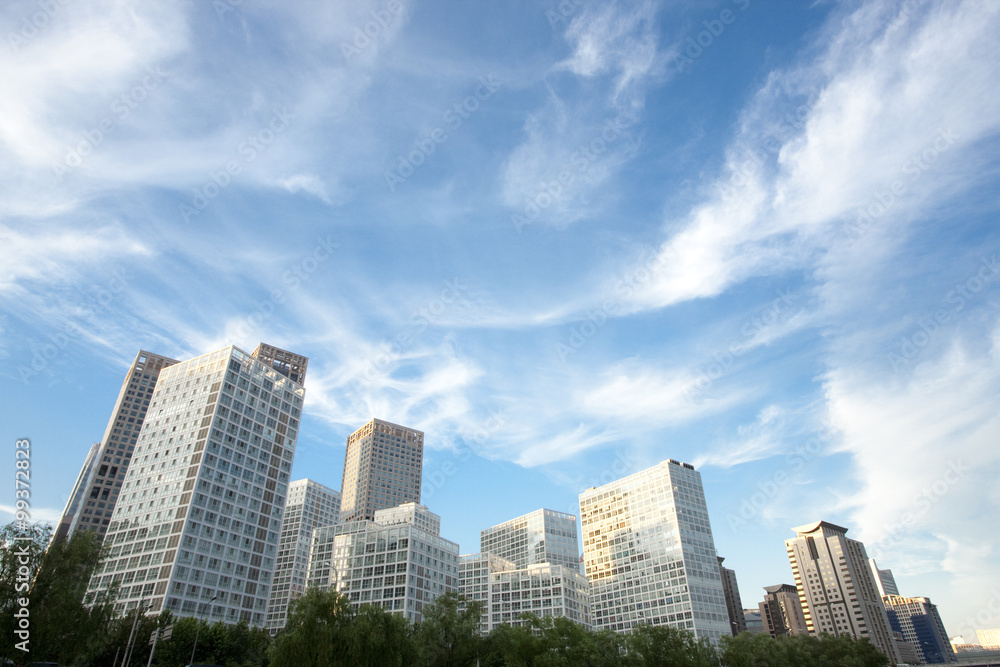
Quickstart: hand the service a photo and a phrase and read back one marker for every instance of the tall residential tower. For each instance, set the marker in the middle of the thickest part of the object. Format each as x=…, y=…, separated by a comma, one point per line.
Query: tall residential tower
x=310, y=505
x=381, y=469
x=836, y=587
x=196, y=527
x=92, y=502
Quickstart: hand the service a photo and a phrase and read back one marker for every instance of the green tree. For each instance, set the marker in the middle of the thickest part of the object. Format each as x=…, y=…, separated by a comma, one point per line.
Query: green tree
x=21, y=556
x=662, y=645
x=378, y=638
x=316, y=634
x=448, y=635
x=748, y=650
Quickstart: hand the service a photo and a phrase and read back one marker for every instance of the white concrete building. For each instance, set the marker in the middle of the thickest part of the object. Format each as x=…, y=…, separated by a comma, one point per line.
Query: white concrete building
x=310, y=504
x=398, y=561
x=196, y=526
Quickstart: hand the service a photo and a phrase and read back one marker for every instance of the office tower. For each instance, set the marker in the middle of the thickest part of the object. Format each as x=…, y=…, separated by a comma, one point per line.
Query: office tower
x=196, y=528
x=781, y=611
x=80, y=489
x=101, y=478
x=649, y=553
x=507, y=591
x=989, y=639
x=309, y=505
x=734, y=605
x=474, y=572
x=393, y=561
x=836, y=586
x=884, y=580
x=542, y=536
x=381, y=469
x=917, y=619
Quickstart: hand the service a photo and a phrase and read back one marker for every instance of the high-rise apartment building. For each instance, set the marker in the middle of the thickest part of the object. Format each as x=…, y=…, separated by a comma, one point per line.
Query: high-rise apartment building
x=196, y=527
x=836, y=586
x=917, y=619
x=396, y=561
x=781, y=611
x=649, y=553
x=93, y=500
x=309, y=505
x=76, y=496
x=734, y=605
x=884, y=580
x=381, y=469
x=542, y=536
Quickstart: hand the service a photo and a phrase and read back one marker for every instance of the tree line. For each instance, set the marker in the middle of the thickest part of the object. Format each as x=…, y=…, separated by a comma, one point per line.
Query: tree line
x=323, y=630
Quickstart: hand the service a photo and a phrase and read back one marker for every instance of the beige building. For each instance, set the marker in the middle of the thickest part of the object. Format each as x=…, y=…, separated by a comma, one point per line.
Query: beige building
x=382, y=469
x=95, y=494
x=781, y=611
x=989, y=639
x=836, y=588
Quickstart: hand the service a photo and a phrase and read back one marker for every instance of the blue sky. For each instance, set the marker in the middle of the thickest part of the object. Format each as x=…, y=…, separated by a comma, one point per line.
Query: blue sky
x=566, y=240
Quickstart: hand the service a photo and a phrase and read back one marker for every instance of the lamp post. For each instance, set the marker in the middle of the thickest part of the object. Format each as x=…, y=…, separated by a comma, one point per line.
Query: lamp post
x=198, y=630
x=333, y=575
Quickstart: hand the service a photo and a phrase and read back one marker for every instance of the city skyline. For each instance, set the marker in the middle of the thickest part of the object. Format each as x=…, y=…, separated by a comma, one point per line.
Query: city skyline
x=565, y=240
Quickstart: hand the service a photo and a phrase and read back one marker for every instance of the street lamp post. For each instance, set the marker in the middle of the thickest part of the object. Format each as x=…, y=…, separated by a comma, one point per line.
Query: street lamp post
x=198, y=630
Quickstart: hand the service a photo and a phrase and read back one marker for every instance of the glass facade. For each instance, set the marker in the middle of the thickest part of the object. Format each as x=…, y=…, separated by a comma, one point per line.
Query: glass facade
x=649, y=553
x=542, y=536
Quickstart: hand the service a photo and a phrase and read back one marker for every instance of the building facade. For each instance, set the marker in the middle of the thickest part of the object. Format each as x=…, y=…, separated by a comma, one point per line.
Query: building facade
x=392, y=561
x=474, y=572
x=917, y=619
x=884, y=580
x=93, y=500
x=781, y=611
x=734, y=605
x=309, y=504
x=542, y=536
x=382, y=469
x=836, y=587
x=650, y=555
x=196, y=527
x=989, y=639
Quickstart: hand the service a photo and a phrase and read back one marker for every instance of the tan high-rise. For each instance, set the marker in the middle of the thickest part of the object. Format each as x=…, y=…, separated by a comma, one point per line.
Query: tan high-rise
x=381, y=469
x=836, y=587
